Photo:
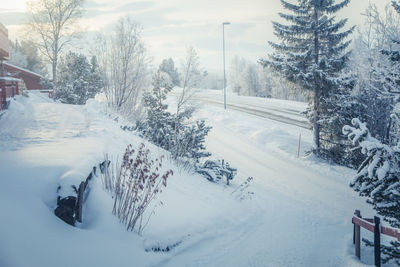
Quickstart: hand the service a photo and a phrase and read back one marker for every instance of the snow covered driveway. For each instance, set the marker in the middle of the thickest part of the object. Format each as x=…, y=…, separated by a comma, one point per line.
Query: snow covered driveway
x=46, y=123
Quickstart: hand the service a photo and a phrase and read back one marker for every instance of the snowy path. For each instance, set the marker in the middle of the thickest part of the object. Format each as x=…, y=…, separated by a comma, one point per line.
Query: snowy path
x=299, y=211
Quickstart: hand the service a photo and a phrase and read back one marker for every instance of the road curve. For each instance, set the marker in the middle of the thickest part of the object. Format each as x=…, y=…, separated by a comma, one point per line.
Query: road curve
x=265, y=112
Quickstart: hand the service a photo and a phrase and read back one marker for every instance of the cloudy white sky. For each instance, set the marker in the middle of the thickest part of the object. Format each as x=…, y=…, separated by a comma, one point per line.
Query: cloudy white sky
x=170, y=26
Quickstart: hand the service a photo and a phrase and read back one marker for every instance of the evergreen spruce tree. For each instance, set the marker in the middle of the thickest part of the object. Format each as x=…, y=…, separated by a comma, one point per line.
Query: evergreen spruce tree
x=378, y=179
x=173, y=132
x=78, y=79
x=25, y=54
x=313, y=51
x=338, y=109
x=157, y=126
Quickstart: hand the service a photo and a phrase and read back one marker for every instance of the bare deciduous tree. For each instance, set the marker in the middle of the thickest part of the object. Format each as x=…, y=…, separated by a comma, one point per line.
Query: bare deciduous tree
x=190, y=77
x=124, y=64
x=53, y=23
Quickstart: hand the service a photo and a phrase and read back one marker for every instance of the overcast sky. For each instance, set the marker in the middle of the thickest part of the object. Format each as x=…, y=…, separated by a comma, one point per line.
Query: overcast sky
x=170, y=26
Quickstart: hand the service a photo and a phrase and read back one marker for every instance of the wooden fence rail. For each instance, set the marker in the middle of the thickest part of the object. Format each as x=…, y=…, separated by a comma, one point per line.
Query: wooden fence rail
x=374, y=226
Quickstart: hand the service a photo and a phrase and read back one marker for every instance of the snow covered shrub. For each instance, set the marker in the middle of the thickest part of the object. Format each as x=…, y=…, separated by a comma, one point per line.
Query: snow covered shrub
x=378, y=179
x=137, y=183
x=190, y=142
x=78, y=80
x=172, y=132
x=214, y=171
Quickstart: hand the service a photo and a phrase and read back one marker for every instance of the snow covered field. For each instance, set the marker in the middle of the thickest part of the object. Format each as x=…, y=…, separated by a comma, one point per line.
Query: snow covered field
x=299, y=215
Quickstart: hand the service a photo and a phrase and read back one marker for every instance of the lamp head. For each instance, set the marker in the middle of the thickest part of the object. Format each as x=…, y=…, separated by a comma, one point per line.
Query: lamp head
x=226, y=23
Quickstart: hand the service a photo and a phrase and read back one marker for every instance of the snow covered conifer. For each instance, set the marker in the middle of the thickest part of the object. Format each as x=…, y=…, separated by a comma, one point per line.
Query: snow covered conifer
x=396, y=5
x=173, y=132
x=78, y=80
x=157, y=126
x=313, y=50
x=378, y=179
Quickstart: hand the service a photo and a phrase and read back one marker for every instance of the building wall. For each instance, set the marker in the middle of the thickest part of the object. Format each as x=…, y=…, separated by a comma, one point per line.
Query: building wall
x=8, y=88
x=32, y=80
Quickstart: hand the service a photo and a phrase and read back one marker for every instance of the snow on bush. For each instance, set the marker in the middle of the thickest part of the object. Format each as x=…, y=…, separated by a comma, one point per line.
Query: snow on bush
x=215, y=170
x=177, y=134
x=378, y=179
x=134, y=186
x=172, y=132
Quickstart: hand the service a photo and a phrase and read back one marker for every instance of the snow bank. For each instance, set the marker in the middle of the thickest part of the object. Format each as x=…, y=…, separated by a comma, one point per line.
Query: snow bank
x=45, y=144
x=299, y=215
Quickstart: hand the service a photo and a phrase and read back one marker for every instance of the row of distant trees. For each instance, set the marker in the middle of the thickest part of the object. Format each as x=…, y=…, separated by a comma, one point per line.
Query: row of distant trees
x=252, y=79
x=120, y=67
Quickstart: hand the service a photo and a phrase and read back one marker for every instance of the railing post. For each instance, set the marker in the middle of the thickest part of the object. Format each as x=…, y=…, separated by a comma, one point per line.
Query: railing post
x=377, y=241
x=357, y=235
x=80, y=202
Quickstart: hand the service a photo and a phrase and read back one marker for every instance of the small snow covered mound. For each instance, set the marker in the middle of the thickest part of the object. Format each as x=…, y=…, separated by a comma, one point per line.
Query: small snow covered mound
x=69, y=182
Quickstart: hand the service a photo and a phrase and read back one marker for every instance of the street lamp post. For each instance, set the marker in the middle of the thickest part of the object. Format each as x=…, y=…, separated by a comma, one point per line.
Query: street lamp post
x=223, y=49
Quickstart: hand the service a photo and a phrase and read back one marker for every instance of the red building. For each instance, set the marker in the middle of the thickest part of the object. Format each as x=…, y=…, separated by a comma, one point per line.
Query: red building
x=8, y=88
x=31, y=79
x=11, y=76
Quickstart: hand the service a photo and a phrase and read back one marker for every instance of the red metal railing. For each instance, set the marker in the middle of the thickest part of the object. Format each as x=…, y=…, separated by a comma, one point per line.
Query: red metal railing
x=374, y=226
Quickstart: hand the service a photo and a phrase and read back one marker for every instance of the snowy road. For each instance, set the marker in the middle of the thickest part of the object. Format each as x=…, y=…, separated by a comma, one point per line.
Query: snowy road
x=288, y=112
x=280, y=115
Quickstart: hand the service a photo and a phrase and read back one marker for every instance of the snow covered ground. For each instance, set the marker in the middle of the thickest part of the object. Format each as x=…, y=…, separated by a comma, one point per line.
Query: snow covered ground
x=299, y=215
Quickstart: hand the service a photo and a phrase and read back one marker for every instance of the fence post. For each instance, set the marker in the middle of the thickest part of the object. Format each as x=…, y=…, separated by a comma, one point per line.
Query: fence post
x=377, y=241
x=298, y=150
x=357, y=235
x=79, y=202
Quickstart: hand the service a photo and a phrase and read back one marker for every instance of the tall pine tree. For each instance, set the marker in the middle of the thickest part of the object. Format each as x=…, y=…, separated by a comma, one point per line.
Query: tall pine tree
x=313, y=50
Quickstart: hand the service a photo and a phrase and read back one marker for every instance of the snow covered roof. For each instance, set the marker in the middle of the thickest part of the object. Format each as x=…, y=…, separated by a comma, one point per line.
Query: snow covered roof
x=9, y=79
x=22, y=69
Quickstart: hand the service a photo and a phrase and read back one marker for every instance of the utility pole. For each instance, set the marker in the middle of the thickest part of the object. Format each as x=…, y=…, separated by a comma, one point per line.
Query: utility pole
x=223, y=51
